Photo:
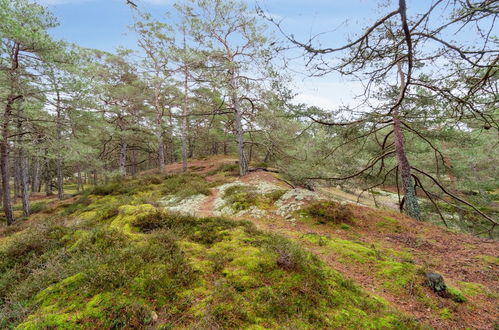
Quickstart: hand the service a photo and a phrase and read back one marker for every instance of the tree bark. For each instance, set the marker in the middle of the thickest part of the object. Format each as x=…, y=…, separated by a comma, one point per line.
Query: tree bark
x=23, y=171
x=59, y=164
x=185, y=111
x=238, y=123
x=122, y=156
x=159, y=130
x=17, y=176
x=411, y=205
x=35, y=183
x=78, y=181
x=60, y=179
x=4, y=161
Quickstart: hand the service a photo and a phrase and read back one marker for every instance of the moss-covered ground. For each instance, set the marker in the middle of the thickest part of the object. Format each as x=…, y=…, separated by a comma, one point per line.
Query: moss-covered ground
x=111, y=259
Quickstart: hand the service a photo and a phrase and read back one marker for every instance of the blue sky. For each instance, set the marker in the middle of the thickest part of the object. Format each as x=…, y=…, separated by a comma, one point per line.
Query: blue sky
x=103, y=24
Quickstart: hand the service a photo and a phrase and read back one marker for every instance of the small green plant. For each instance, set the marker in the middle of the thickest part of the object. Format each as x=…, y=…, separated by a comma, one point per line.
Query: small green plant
x=344, y=226
x=329, y=212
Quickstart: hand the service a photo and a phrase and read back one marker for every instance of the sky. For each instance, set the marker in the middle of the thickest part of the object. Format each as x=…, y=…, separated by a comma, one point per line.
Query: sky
x=103, y=24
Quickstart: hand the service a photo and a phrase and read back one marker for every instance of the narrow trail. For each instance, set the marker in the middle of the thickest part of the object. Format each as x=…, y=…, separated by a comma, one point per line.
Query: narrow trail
x=206, y=209
x=429, y=245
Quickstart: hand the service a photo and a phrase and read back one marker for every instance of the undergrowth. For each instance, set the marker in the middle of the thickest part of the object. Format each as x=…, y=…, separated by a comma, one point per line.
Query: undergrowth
x=329, y=212
x=242, y=197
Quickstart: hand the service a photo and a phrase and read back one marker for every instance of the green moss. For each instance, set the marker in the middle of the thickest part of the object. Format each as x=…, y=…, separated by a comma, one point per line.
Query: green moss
x=455, y=294
x=389, y=224
x=395, y=268
x=472, y=289
x=491, y=260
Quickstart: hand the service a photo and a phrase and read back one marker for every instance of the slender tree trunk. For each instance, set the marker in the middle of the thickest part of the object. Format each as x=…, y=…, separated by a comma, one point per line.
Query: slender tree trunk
x=161, y=151
x=17, y=177
x=134, y=162
x=78, y=181
x=411, y=205
x=185, y=111
x=35, y=183
x=47, y=175
x=159, y=129
x=21, y=168
x=23, y=171
x=122, y=157
x=4, y=165
x=59, y=163
x=238, y=122
x=60, y=179
x=48, y=184
x=4, y=162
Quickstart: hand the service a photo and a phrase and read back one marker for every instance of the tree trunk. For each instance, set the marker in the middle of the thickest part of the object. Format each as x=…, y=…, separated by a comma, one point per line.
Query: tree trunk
x=243, y=164
x=185, y=111
x=17, y=176
x=4, y=166
x=47, y=175
x=122, y=157
x=60, y=179
x=35, y=183
x=161, y=151
x=134, y=169
x=78, y=181
x=411, y=205
x=48, y=184
x=238, y=122
x=4, y=162
x=23, y=171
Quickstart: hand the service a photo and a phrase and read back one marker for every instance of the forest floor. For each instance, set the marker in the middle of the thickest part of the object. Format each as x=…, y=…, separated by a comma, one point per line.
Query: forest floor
x=383, y=252
x=466, y=262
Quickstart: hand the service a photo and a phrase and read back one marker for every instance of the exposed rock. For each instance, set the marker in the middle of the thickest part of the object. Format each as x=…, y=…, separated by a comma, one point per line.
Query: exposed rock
x=220, y=205
x=293, y=200
x=189, y=205
x=436, y=282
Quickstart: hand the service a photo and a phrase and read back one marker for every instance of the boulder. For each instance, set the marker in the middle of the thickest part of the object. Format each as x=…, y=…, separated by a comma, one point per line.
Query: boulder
x=436, y=282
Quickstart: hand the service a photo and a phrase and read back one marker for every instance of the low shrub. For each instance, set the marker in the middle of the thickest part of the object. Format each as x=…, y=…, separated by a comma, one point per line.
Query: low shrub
x=230, y=169
x=185, y=185
x=329, y=212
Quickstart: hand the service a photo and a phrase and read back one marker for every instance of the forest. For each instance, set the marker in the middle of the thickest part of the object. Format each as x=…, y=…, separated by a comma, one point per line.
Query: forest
x=182, y=184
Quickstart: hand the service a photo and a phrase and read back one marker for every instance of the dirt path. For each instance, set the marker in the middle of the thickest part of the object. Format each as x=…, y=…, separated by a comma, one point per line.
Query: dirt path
x=206, y=209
